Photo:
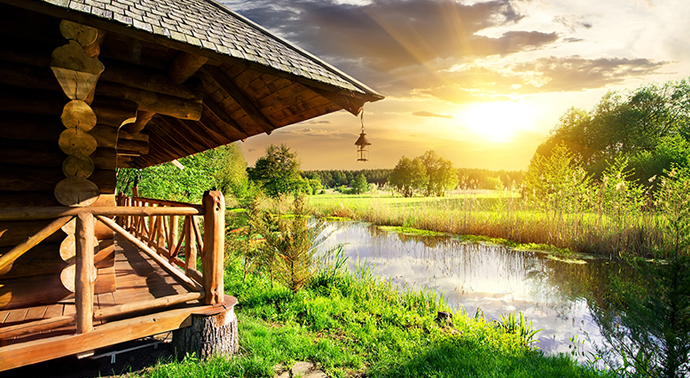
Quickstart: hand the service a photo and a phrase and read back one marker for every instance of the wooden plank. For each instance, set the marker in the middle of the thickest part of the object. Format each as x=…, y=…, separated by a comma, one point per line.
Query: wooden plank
x=16, y=355
x=16, y=252
x=35, y=313
x=34, y=327
x=54, y=310
x=16, y=316
x=145, y=78
x=158, y=103
x=31, y=213
x=213, y=107
x=236, y=93
x=147, y=305
x=184, y=66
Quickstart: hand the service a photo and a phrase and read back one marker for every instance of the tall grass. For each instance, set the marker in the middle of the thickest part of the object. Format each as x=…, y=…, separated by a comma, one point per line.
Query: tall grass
x=505, y=215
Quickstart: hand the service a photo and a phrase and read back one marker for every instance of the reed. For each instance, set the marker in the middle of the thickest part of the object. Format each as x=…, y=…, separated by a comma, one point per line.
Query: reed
x=505, y=215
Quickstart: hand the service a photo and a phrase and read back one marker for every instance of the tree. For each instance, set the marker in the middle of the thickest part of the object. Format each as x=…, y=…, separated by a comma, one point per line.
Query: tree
x=408, y=176
x=631, y=125
x=277, y=172
x=557, y=182
x=359, y=184
x=441, y=175
x=222, y=168
x=229, y=169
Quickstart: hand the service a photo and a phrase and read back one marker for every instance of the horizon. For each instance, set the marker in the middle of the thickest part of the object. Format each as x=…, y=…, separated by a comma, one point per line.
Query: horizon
x=480, y=82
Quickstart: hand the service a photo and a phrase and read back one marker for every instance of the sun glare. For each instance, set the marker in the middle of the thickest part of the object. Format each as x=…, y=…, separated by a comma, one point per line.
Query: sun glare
x=496, y=121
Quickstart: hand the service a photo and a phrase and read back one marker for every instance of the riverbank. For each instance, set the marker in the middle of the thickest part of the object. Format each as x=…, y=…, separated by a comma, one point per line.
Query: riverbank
x=354, y=325
x=502, y=216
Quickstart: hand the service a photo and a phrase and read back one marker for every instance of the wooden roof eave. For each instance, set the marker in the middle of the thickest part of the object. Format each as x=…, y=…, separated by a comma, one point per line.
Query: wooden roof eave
x=367, y=94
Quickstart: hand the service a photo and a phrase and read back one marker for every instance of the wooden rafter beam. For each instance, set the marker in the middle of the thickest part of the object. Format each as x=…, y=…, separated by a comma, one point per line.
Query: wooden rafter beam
x=220, y=134
x=215, y=108
x=158, y=103
x=179, y=133
x=185, y=66
x=236, y=93
x=197, y=133
x=166, y=130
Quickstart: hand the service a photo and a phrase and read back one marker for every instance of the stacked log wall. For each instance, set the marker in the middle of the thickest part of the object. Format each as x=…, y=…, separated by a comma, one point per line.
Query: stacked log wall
x=31, y=103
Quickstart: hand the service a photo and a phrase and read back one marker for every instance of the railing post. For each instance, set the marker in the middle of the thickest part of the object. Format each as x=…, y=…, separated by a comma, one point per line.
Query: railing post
x=214, y=244
x=85, y=272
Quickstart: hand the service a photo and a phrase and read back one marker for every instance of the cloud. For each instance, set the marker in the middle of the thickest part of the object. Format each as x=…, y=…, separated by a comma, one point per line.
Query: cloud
x=394, y=45
x=430, y=114
x=576, y=73
x=543, y=75
x=314, y=132
x=574, y=22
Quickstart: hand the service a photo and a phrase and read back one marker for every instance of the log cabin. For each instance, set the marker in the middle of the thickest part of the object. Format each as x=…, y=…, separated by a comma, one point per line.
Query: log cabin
x=90, y=86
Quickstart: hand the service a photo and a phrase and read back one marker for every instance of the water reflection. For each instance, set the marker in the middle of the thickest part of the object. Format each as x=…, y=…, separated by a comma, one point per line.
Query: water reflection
x=494, y=278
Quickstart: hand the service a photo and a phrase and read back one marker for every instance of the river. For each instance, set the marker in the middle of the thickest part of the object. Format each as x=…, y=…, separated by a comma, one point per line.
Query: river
x=552, y=292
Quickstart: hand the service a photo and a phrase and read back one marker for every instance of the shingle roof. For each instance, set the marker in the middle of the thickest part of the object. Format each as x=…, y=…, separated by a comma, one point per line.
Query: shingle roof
x=209, y=25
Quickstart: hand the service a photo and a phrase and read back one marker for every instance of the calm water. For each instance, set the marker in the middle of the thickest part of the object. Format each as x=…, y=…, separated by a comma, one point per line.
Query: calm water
x=495, y=279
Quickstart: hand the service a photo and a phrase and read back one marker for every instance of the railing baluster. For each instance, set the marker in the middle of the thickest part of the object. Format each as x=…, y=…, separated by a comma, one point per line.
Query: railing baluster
x=190, y=243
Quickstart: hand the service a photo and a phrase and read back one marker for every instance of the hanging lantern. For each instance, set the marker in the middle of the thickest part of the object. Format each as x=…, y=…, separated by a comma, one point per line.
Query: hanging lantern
x=362, y=142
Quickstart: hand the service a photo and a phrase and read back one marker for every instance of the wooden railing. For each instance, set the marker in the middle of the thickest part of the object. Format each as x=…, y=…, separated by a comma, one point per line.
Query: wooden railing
x=149, y=224
x=161, y=233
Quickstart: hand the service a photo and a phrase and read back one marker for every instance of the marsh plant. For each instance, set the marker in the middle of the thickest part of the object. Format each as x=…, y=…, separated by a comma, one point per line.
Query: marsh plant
x=291, y=248
x=515, y=323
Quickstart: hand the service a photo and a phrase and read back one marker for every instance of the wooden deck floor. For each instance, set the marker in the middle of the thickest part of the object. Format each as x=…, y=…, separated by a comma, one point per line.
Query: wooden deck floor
x=138, y=278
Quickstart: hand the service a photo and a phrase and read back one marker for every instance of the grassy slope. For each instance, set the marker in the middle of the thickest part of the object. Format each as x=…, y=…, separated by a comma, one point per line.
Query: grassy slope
x=353, y=326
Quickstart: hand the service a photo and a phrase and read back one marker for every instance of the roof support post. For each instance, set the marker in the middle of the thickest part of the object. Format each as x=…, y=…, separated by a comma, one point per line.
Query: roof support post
x=214, y=245
x=85, y=272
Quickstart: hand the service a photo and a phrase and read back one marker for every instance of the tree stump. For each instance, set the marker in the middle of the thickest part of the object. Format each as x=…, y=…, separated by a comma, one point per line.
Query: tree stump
x=212, y=332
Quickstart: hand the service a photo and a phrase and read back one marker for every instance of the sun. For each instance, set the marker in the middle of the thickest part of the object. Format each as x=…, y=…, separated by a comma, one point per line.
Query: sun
x=496, y=121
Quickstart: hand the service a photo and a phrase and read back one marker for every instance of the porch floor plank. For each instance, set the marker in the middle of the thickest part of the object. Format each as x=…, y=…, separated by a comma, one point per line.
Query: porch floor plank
x=137, y=278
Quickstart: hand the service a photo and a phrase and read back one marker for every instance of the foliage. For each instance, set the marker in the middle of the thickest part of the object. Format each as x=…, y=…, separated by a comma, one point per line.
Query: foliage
x=647, y=323
x=429, y=173
x=278, y=172
x=620, y=195
x=557, y=183
x=290, y=250
x=408, y=176
x=221, y=168
x=440, y=174
x=639, y=125
x=474, y=178
x=516, y=324
x=359, y=184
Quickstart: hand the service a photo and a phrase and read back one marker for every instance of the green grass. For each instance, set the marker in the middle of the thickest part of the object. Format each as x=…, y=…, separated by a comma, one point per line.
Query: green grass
x=501, y=217
x=357, y=325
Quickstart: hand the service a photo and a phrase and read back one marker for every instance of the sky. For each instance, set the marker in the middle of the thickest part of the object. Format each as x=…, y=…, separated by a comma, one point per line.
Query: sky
x=480, y=82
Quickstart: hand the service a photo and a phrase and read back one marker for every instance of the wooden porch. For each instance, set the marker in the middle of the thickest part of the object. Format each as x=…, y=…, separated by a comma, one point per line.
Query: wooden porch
x=156, y=290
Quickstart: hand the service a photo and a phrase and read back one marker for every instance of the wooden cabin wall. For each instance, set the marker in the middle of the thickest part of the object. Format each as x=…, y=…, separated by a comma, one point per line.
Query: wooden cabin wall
x=31, y=102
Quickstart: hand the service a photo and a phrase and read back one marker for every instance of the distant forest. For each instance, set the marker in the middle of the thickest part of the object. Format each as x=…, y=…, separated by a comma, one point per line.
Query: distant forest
x=469, y=178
